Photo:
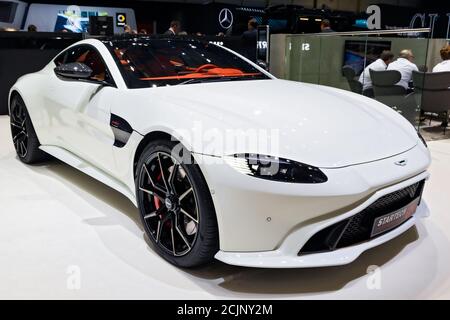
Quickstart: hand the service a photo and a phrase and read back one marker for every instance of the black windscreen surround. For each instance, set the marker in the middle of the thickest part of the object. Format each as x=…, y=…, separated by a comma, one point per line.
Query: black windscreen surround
x=159, y=62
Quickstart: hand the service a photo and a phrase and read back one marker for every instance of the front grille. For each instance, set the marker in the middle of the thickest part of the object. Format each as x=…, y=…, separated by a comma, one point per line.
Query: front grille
x=358, y=228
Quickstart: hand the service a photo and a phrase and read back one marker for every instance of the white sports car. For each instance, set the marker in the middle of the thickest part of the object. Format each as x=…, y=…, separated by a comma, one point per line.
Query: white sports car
x=222, y=159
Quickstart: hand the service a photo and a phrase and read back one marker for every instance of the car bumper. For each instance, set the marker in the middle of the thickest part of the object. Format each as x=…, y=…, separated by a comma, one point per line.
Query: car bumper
x=265, y=224
x=287, y=255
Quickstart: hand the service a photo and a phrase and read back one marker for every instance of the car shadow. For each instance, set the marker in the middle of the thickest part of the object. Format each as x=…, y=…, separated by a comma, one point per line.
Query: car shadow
x=307, y=280
x=107, y=195
x=217, y=277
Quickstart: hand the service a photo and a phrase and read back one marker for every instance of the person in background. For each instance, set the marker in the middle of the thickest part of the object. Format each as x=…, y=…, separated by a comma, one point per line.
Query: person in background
x=325, y=26
x=250, y=34
x=381, y=64
x=173, y=29
x=32, y=28
x=127, y=29
x=444, y=66
x=405, y=65
x=248, y=40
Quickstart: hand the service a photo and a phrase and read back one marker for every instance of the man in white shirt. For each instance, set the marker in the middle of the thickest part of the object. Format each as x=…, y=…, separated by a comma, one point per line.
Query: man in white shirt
x=380, y=64
x=404, y=64
x=444, y=66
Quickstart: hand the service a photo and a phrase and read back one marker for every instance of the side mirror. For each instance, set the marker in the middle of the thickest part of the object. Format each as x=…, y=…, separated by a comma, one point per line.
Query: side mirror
x=74, y=70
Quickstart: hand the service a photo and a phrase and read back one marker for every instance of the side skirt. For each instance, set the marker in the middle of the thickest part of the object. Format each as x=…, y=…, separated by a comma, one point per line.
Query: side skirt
x=87, y=168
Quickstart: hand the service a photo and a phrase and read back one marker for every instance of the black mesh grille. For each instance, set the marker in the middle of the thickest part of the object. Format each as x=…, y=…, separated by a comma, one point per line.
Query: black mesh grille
x=358, y=228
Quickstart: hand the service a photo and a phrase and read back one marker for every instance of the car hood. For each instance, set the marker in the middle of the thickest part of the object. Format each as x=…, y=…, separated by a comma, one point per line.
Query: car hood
x=317, y=125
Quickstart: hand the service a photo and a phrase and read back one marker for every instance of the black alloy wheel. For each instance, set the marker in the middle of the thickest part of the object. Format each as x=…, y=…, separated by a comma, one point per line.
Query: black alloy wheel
x=24, y=137
x=176, y=207
x=19, y=130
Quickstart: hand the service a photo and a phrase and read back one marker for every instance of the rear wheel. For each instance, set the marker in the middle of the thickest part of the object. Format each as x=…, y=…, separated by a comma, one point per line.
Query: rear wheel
x=24, y=137
x=176, y=206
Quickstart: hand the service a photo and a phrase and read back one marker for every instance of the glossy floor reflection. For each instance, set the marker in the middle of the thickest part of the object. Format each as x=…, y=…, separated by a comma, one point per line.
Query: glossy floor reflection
x=64, y=235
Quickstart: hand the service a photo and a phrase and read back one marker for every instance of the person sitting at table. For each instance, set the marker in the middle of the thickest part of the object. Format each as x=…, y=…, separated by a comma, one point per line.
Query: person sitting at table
x=444, y=66
x=404, y=64
x=380, y=64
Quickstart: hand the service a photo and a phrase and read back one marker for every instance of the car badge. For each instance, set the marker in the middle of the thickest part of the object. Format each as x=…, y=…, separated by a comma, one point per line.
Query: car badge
x=226, y=18
x=402, y=163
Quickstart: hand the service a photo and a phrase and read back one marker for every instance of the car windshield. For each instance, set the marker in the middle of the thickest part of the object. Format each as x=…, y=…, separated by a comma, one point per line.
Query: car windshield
x=161, y=62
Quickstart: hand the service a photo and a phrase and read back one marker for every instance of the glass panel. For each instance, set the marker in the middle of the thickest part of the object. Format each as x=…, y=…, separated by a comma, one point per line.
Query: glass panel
x=303, y=58
x=342, y=59
x=432, y=92
x=394, y=87
x=380, y=66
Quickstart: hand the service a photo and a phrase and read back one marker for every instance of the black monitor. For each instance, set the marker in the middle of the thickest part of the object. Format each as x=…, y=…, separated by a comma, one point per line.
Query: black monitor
x=101, y=26
x=359, y=54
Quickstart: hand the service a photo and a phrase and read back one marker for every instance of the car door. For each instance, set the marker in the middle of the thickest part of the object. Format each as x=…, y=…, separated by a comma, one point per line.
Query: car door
x=80, y=111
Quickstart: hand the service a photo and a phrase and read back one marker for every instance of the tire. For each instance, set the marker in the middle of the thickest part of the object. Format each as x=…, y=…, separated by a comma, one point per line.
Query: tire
x=24, y=137
x=176, y=210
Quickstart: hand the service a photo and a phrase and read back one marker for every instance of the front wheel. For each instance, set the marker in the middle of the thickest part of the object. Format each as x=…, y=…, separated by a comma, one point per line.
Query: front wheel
x=24, y=137
x=176, y=206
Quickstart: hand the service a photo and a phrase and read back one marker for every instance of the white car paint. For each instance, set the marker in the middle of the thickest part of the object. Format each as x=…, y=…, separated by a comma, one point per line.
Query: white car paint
x=355, y=141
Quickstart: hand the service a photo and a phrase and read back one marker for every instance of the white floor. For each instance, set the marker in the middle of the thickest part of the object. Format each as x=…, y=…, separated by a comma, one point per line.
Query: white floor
x=58, y=226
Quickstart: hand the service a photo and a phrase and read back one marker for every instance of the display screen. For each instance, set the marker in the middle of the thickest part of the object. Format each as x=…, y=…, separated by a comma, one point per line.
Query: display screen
x=7, y=11
x=358, y=54
x=361, y=23
x=57, y=18
x=75, y=21
x=277, y=25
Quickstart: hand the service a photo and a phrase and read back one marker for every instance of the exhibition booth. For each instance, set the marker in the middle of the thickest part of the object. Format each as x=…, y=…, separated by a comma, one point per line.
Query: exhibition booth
x=224, y=150
x=338, y=60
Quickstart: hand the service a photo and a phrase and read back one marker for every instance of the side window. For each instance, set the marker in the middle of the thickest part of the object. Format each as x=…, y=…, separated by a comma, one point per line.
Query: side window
x=59, y=60
x=88, y=56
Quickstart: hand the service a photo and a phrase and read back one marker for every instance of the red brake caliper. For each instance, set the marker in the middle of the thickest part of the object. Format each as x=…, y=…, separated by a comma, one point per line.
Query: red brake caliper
x=157, y=203
x=156, y=200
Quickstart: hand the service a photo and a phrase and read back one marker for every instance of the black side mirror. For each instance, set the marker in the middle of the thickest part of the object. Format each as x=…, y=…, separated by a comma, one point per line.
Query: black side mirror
x=74, y=70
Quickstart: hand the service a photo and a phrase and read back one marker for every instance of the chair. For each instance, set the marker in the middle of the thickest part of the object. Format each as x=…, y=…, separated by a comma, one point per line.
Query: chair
x=388, y=92
x=353, y=82
x=350, y=75
x=432, y=92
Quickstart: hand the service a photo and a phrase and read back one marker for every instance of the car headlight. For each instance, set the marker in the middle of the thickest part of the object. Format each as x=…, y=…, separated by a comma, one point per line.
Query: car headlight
x=422, y=138
x=276, y=169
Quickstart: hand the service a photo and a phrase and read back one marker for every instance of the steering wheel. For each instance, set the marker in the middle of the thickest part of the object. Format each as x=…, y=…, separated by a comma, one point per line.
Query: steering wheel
x=205, y=66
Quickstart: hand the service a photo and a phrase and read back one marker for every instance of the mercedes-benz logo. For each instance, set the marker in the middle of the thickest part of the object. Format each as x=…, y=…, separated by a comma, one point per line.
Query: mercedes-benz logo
x=226, y=18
